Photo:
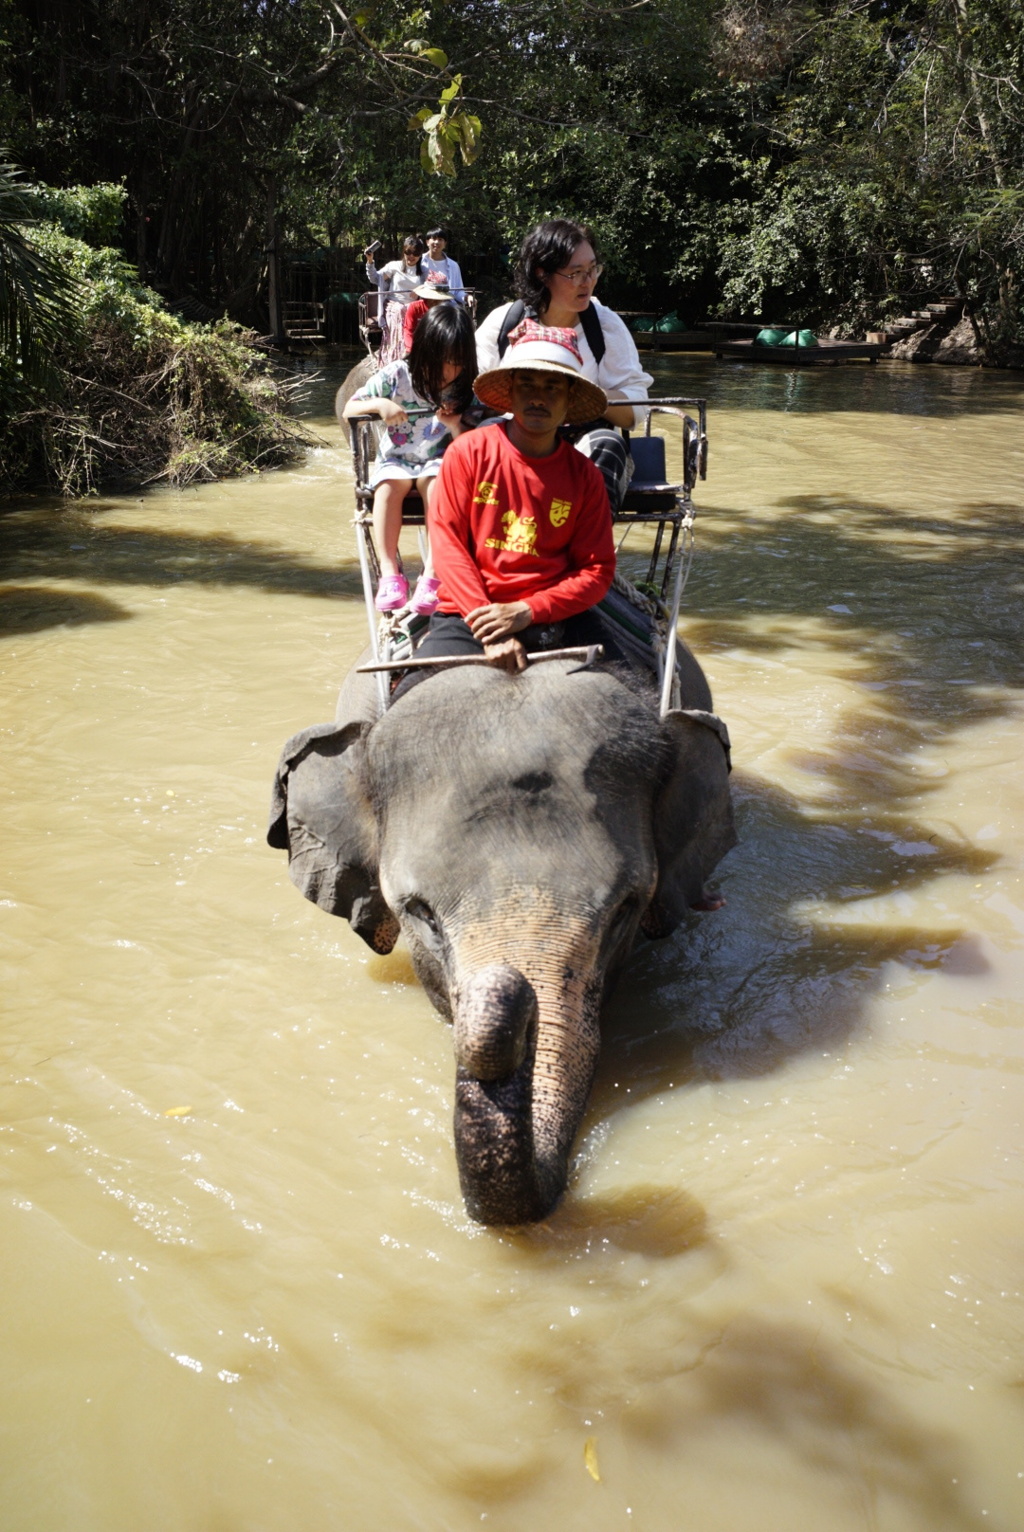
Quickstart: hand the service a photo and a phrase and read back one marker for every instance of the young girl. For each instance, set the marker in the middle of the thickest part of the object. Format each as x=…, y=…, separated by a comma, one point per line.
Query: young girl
x=396, y=282
x=438, y=375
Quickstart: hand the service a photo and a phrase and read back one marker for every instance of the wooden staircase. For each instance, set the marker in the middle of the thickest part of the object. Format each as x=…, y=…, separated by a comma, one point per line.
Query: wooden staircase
x=303, y=321
x=942, y=310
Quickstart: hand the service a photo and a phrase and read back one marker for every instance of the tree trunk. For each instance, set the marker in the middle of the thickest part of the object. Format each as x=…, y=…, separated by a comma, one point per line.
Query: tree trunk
x=965, y=57
x=274, y=311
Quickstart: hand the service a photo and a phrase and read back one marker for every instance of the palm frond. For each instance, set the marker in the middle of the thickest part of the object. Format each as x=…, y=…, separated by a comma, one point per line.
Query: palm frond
x=37, y=296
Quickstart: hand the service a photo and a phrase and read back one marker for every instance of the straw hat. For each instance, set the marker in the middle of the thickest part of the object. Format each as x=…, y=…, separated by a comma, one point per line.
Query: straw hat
x=438, y=292
x=534, y=347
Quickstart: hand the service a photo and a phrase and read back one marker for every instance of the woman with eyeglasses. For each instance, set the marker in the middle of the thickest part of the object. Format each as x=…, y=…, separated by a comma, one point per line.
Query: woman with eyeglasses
x=554, y=280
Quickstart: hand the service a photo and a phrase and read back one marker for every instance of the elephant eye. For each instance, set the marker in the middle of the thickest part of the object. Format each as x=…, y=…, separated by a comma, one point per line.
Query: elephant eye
x=419, y=910
x=625, y=912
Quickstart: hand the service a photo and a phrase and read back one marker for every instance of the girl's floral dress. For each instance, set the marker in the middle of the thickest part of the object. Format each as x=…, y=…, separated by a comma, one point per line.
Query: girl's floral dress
x=410, y=451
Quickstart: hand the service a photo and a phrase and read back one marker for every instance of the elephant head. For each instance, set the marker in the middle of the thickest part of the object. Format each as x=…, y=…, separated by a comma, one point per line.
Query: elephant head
x=518, y=830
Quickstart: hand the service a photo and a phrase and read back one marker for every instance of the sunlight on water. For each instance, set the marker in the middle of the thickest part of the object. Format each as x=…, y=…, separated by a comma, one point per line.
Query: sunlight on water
x=239, y=1290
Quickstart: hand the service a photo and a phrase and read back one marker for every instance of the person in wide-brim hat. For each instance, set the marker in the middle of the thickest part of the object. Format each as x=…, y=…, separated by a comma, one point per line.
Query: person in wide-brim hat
x=428, y=295
x=533, y=347
x=435, y=292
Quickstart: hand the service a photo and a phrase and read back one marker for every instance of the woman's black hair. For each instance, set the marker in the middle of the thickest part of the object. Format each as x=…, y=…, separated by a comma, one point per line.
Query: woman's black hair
x=444, y=334
x=546, y=249
x=419, y=245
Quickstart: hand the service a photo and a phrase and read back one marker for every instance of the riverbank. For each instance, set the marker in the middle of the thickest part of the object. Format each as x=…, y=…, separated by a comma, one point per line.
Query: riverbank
x=131, y=394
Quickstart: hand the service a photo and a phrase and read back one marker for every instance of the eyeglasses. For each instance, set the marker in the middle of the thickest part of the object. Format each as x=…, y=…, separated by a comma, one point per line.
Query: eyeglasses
x=581, y=273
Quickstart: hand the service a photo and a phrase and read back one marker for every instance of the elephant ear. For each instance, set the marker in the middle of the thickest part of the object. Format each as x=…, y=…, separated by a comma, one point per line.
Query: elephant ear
x=321, y=815
x=693, y=823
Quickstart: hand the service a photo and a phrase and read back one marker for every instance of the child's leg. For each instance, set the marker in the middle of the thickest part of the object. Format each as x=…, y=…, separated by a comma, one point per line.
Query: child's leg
x=424, y=597
x=425, y=485
x=387, y=521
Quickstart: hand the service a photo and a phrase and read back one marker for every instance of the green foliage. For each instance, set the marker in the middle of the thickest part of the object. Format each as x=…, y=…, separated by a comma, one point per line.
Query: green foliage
x=38, y=295
x=451, y=128
x=93, y=214
x=835, y=159
x=135, y=393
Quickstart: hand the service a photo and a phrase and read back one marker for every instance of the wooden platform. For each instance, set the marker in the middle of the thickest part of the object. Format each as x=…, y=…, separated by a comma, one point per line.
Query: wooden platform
x=826, y=352
x=678, y=340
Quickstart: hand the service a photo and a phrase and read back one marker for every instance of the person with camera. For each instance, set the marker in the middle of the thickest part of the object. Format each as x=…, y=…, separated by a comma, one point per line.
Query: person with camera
x=396, y=282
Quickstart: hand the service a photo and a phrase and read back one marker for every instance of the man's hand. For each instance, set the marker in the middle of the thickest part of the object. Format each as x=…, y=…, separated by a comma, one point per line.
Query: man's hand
x=498, y=620
x=506, y=654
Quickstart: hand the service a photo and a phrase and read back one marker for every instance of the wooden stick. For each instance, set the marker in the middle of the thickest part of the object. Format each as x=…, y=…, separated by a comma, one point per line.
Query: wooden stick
x=441, y=661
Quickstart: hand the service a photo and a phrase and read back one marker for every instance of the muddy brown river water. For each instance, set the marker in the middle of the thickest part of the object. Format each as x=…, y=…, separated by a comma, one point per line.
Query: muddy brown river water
x=238, y=1292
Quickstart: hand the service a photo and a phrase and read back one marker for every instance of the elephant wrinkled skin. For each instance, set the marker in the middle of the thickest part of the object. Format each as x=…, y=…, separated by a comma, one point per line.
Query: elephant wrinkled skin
x=519, y=831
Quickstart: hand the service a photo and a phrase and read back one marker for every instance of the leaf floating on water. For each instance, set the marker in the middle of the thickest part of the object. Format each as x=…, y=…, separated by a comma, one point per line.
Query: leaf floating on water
x=178, y=1111
x=590, y=1458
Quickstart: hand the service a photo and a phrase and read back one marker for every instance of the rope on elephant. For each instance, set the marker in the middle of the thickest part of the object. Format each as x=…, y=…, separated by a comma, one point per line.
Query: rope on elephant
x=649, y=604
x=639, y=622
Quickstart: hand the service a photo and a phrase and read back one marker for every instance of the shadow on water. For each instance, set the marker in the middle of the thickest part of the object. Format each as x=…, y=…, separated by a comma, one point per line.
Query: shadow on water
x=655, y=1221
x=33, y=608
x=741, y=992
x=783, y=1383
x=65, y=543
x=678, y=1382
x=922, y=618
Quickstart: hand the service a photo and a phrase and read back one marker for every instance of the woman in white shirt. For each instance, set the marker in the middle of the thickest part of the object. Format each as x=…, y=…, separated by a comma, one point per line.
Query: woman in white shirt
x=396, y=283
x=554, y=279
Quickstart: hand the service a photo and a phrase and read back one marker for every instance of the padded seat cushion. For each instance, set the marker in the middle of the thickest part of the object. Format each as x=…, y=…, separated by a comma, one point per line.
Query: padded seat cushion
x=654, y=497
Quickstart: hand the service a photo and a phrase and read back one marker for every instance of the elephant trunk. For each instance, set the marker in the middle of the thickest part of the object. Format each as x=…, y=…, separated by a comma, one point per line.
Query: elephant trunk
x=495, y=1022
x=519, y=1091
x=495, y=1017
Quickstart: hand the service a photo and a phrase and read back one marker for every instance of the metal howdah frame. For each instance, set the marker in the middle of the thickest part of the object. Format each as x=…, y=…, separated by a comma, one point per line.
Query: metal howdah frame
x=667, y=507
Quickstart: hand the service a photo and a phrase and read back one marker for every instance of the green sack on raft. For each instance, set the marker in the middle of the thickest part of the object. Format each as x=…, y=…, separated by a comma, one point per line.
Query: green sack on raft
x=670, y=325
x=800, y=338
x=642, y=326
x=770, y=338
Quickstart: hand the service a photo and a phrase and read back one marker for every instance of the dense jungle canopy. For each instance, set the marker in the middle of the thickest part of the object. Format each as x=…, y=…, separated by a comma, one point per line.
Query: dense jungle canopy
x=736, y=158
x=818, y=158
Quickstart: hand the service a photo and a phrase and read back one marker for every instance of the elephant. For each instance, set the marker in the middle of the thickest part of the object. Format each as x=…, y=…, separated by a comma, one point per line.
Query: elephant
x=361, y=373
x=521, y=831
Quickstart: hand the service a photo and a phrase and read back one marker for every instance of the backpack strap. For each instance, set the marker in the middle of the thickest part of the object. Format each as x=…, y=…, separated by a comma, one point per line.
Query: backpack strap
x=514, y=316
x=591, y=322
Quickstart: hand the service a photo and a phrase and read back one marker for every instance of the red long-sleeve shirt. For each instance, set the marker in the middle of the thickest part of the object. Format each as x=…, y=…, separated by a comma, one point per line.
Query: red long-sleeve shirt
x=414, y=312
x=507, y=527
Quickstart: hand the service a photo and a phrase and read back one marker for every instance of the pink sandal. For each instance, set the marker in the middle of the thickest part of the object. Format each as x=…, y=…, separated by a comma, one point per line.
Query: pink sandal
x=392, y=593
x=424, y=597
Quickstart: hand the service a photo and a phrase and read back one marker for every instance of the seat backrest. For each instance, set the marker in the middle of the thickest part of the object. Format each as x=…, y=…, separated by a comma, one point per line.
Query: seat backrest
x=648, y=453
